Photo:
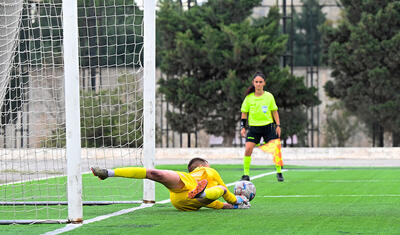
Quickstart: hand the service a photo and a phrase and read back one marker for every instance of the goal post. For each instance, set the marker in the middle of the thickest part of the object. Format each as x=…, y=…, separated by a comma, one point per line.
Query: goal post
x=72, y=110
x=149, y=96
x=79, y=92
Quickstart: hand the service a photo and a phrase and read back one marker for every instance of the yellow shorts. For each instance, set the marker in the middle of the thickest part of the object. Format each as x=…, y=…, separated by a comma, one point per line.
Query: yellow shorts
x=179, y=197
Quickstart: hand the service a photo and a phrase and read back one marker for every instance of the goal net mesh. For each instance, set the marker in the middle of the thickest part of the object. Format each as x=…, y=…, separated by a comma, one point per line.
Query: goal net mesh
x=33, y=182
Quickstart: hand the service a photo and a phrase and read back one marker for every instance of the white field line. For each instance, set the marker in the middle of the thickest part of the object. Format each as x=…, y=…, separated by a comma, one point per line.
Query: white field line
x=70, y=227
x=35, y=179
x=41, y=178
x=339, y=195
x=353, y=181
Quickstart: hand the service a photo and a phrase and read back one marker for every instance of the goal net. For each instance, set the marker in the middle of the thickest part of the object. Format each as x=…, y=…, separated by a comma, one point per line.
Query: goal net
x=35, y=69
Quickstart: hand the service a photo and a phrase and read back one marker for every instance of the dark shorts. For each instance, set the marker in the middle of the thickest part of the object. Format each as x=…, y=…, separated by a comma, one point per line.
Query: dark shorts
x=267, y=132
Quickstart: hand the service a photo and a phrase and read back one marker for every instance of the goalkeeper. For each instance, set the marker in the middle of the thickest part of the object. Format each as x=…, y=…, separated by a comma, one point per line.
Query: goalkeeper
x=260, y=109
x=201, y=187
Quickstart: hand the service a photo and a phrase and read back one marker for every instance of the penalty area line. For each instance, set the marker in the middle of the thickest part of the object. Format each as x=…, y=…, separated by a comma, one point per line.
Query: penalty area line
x=70, y=227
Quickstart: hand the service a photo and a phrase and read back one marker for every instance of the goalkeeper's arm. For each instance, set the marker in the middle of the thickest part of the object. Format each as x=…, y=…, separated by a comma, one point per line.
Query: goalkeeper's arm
x=241, y=203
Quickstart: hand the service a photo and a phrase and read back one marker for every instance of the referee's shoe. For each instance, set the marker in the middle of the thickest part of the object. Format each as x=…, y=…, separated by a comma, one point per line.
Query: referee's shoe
x=279, y=176
x=245, y=177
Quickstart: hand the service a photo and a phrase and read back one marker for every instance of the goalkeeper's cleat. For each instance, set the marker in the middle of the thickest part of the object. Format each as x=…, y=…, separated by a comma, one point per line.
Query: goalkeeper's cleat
x=279, y=176
x=242, y=205
x=201, y=186
x=245, y=177
x=101, y=173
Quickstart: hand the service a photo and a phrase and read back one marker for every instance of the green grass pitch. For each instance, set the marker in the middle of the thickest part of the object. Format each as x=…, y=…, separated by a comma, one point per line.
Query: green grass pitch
x=312, y=200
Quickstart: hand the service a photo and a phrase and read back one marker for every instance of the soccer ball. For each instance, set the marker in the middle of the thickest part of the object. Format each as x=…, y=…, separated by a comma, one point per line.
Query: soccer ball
x=245, y=188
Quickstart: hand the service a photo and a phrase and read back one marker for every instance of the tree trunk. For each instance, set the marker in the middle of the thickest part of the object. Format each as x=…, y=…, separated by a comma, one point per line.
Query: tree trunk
x=396, y=139
x=380, y=136
x=373, y=134
x=377, y=135
x=228, y=139
x=93, y=78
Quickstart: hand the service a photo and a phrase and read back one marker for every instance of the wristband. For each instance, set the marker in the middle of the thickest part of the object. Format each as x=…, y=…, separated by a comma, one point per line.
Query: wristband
x=243, y=123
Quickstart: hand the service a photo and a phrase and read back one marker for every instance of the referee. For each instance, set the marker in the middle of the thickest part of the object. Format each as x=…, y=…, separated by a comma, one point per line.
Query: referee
x=260, y=111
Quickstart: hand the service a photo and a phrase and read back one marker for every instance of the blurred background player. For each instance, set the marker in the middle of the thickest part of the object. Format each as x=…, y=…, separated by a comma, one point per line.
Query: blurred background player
x=261, y=112
x=201, y=187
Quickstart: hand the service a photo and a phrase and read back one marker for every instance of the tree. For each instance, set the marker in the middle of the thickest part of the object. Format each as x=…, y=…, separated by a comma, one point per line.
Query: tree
x=292, y=96
x=210, y=53
x=340, y=126
x=108, y=36
x=16, y=88
x=307, y=36
x=108, y=119
x=363, y=51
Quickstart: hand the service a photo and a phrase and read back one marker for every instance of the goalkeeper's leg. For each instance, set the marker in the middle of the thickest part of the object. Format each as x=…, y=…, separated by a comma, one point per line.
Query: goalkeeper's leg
x=168, y=178
x=211, y=194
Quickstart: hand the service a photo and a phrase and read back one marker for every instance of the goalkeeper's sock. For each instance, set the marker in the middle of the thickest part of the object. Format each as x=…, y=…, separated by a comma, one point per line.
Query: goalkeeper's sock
x=246, y=165
x=213, y=193
x=111, y=173
x=278, y=168
x=230, y=197
x=130, y=172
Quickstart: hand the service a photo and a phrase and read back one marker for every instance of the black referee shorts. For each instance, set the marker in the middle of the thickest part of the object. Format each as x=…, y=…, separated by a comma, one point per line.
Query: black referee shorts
x=267, y=132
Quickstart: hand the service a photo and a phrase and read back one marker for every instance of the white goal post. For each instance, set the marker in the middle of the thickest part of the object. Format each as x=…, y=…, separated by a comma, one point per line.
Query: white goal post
x=149, y=145
x=77, y=89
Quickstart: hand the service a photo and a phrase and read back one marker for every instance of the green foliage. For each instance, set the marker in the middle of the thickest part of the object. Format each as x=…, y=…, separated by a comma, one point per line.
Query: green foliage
x=340, y=127
x=307, y=36
x=19, y=77
x=107, y=35
x=291, y=96
x=363, y=52
x=108, y=118
x=210, y=53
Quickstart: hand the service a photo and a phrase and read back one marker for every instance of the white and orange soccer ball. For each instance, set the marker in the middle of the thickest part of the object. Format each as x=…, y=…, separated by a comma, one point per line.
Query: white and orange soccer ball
x=245, y=188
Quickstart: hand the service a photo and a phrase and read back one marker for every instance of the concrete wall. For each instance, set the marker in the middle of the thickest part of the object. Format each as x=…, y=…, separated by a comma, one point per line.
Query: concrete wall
x=208, y=153
x=287, y=153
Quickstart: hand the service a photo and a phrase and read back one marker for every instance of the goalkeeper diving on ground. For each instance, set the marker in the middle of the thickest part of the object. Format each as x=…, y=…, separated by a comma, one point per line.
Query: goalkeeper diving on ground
x=201, y=187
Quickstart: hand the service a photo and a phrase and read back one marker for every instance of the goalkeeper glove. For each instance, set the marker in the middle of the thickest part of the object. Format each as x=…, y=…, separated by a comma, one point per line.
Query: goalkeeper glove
x=242, y=205
x=241, y=199
x=241, y=202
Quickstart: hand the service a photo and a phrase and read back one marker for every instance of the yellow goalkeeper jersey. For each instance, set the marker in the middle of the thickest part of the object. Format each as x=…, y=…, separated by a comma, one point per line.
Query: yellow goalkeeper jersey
x=179, y=197
x=214, y=179
x=210, y=174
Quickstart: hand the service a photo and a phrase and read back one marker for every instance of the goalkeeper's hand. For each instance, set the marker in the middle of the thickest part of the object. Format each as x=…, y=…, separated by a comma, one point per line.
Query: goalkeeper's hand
x=242, y=205
x=241, y=199
x=241, y=202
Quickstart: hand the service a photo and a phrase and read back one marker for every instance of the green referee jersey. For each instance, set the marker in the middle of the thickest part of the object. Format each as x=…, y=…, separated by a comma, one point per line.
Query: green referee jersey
x=259, y=108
